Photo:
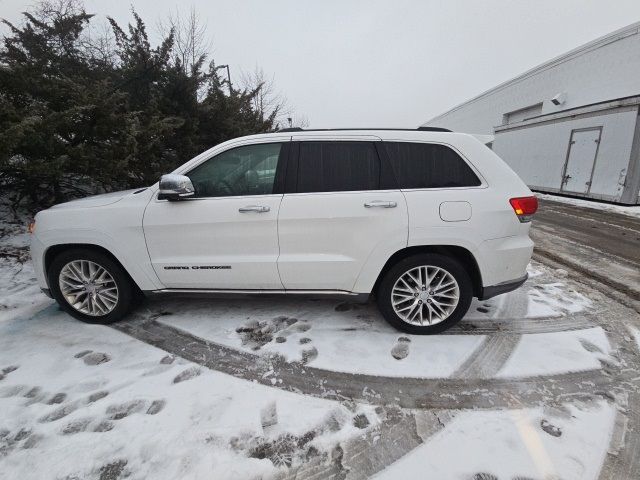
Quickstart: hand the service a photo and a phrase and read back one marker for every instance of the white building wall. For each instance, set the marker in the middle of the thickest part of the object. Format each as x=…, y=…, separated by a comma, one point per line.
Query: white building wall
x=602, y=70
x=538, y=152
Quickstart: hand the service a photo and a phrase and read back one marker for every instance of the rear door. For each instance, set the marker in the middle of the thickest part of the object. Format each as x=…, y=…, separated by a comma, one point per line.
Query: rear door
x=340, y=209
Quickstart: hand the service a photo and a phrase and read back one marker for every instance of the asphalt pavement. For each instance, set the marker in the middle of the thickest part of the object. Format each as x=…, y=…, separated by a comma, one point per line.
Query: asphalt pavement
x=612, y=233
x=600, y=244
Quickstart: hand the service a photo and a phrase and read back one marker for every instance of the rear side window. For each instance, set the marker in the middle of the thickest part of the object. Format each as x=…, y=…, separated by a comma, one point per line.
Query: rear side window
x=337, y=167
x=428, y=165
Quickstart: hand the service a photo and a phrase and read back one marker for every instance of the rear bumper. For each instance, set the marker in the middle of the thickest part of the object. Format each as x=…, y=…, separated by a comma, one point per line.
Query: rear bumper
x=501, y=260
x=504, y=287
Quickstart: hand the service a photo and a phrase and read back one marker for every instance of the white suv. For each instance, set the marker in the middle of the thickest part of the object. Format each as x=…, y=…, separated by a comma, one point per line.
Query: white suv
x=423, y=219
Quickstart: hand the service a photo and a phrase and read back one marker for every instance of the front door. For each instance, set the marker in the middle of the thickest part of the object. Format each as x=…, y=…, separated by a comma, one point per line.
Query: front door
x=226, y=237
x=337, y=215
x=581, y=158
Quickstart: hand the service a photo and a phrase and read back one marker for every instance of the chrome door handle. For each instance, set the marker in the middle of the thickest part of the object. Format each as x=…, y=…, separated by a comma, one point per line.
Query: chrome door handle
x=380, y=204
x=254, y=208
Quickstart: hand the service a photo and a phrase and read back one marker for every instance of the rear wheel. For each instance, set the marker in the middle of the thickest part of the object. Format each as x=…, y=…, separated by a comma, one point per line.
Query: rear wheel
x=425, y=294
x=90, y=286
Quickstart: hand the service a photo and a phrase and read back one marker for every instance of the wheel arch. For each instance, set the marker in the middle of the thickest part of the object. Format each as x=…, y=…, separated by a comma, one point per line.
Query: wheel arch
x=54, y=250
x=464, y=256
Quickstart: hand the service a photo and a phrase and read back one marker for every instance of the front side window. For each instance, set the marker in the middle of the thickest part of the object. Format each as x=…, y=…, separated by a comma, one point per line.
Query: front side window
x=338, y=167
x=247, y=170
x=429, y=165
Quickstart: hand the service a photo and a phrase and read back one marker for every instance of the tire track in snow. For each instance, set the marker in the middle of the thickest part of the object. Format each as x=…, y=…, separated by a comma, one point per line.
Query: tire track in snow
x=522, y=326
x=364, y=456
x=438, y=393
x=623, y=458
x=368, y=455
x=489, y=357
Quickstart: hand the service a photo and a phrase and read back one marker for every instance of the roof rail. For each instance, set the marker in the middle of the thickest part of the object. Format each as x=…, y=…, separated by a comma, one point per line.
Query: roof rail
x=433, y=129
x=421, y=129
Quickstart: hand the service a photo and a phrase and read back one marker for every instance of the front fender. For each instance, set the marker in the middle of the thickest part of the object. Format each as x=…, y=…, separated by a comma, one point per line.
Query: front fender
x=116, y=227
x=128, y=254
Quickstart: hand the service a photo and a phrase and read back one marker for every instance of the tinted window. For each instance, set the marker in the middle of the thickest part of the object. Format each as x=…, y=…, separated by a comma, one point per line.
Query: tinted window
x=248, y=170
x=337, y=167
x=425, y=165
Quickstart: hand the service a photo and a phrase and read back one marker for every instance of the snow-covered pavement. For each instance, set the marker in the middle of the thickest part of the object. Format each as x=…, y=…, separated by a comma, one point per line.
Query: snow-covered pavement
x=539, y=383
x=630, y=210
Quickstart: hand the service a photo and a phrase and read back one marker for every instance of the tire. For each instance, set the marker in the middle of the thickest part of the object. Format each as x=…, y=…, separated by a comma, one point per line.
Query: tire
x=116, y=281
x=407, y=295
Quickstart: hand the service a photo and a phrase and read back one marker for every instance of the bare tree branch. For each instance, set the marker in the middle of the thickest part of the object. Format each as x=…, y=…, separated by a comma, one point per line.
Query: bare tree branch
x=268, y=102
x=192, y=42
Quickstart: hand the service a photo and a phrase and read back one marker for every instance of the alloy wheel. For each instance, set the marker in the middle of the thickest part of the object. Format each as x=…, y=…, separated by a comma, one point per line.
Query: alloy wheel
x=88, y=287
x=425, y=295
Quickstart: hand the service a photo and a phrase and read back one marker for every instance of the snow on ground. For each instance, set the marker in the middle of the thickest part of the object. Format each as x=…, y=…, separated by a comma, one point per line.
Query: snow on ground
x=542, y=296
x=554, y=299
x=86, y=401
x=79, y=397
x=633, y=211
x=19, y=292
x=327, y=334
x=568, y=443
x=636, y=335
x=353, y=338
x=557, y=352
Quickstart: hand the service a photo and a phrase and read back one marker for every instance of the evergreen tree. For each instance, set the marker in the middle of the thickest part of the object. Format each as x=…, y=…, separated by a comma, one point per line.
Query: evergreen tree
x=76, y=119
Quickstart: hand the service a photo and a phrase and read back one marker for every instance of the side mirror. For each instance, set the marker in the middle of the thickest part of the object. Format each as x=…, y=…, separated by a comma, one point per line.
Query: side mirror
x=175, y=187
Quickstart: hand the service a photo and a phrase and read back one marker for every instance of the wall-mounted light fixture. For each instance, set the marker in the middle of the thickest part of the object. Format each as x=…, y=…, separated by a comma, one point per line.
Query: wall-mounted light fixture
x=559, y=99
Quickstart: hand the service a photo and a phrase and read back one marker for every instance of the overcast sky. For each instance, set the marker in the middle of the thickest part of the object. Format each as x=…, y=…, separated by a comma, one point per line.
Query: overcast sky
x=380, y=63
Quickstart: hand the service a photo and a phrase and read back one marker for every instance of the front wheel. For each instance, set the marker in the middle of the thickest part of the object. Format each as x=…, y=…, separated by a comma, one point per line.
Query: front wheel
x=90, y=286
x=425, y=294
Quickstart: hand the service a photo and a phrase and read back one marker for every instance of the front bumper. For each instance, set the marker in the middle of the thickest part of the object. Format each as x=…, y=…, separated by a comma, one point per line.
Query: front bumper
x=504, y=287
x=37, y=258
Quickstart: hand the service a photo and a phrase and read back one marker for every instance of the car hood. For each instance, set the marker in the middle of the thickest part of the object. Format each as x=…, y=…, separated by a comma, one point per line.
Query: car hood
x=96, y=200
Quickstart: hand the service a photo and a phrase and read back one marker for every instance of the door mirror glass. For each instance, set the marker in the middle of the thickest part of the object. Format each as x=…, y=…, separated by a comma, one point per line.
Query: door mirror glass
x=175, y=187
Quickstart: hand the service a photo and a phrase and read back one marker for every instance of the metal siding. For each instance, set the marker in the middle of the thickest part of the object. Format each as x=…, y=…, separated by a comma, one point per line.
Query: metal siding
x=538, y=152
x=594, y=73
x=631, y=192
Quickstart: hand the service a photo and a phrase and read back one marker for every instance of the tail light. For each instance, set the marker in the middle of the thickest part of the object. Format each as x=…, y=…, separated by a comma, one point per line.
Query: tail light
x=524, y=207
